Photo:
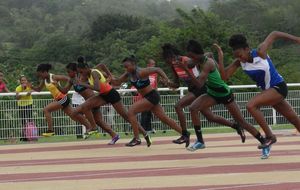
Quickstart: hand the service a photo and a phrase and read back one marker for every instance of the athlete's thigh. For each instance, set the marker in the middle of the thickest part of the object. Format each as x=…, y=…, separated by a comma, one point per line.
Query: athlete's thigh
x=68, y=110
x=267, y=97
x=203, y=102
x=158, y=111
x=284, y=108
x=90, y=103
x=186, y=100
x=53, y=106
x=141, y=106
x=234, y=111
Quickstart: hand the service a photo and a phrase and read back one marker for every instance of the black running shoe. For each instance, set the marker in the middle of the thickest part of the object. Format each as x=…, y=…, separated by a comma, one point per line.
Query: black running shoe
x=180, y=140
x=148, y=140
x=240, y=131
x=183, y=139
x=269, y=142
x=134, y=142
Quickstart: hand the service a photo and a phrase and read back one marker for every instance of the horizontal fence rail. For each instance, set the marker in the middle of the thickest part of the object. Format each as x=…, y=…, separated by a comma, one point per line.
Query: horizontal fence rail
x=12, y=122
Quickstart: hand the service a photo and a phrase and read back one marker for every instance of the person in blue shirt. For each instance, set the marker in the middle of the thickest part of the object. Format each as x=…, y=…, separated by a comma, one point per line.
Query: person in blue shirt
x=257, y=64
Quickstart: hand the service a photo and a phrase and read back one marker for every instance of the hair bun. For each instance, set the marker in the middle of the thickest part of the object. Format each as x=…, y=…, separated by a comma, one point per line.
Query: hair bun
x=80, y=59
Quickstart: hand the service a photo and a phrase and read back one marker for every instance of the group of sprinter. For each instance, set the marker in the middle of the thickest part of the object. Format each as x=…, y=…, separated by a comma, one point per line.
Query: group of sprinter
x=204, y=76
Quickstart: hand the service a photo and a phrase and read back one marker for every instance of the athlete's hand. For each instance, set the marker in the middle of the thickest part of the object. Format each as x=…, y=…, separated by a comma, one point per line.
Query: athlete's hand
x=29, y=93
x=165, y=82
x=54, y=82
x=109, y=79
x=76, y=81
x=218, y=48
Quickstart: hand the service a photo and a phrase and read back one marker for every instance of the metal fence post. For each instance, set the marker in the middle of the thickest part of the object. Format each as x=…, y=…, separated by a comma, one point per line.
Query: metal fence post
x=274, y=116
x=181, y=92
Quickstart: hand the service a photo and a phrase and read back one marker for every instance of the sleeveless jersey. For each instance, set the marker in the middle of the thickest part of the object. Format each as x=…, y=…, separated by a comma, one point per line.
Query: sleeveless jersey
x=104, y=86
x=262, y=71
x=57, y=95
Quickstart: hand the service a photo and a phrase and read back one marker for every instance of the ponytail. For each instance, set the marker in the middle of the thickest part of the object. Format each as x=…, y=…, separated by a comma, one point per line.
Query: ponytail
x=44, y=67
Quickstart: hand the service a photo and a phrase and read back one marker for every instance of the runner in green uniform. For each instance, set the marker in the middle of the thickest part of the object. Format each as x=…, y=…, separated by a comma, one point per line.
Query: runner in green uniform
x=218, y=92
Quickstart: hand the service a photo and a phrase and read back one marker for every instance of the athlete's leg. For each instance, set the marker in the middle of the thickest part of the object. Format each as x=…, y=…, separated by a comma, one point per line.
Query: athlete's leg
x=100, y=122
x=137, y=107
x=53, y=106
x=77, y=117
x=180, y=105
x=159, y=112
x=86, y=108
x=285, y=109
x=235, y=112
x=202, y=103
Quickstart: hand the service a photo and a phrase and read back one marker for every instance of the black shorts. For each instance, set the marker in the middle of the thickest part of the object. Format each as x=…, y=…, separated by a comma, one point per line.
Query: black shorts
x=223, y=100
x=112, y=96
x=281, y=88
x=65, y=101
x=197, y=91
x=153, y=97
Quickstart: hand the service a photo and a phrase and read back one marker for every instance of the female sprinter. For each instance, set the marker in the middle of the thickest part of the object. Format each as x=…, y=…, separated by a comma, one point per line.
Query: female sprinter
x=86, y=94
x=50, y=81
x=139, y=78
x=257, y=64
x=218, y=92
x=174, y=60
x=107, y=94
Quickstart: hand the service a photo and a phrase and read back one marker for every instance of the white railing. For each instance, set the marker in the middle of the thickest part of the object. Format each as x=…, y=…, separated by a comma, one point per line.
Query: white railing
x=11, y=122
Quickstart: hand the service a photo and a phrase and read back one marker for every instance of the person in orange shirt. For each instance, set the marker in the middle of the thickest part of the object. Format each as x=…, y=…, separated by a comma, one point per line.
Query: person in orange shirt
x=61, y=100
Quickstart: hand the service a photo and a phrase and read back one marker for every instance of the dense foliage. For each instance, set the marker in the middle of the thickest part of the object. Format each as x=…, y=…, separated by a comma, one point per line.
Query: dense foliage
x=57, y=31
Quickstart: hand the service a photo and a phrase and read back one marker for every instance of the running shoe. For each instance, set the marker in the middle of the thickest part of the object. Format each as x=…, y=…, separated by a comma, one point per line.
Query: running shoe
x=240, y=131
x=88, y=134
x=197, y=145
x=266, y=152
x=148, y=140
x=180, y=140
x=183, y=139
x=269, y=142
x=48, y=133
x=134, y=142
x=114, y=140
x=92, y=132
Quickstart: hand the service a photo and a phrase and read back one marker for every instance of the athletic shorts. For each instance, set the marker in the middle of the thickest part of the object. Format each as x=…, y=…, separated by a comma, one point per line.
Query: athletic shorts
x=153, y=97
x=112, y=96
x=197, y=91
x=281, y=88
x=65, y=101
x=223, y=100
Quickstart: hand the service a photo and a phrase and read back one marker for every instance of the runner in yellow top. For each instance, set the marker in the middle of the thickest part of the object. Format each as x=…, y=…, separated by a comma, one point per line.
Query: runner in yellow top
x=50, y=81
x=107, y=94
x=96, y=116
